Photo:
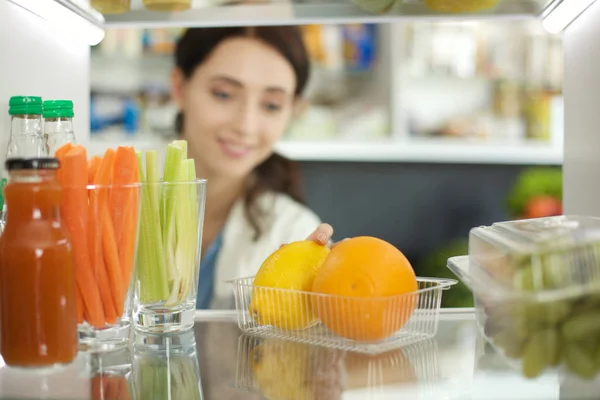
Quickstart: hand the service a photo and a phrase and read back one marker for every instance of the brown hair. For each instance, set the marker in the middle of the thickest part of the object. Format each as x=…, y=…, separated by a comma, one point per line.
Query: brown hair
x=276, y=173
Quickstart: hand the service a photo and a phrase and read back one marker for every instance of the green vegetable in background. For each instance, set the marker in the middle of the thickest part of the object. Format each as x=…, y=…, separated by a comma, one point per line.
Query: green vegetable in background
x=434, y=265
x=534, y=182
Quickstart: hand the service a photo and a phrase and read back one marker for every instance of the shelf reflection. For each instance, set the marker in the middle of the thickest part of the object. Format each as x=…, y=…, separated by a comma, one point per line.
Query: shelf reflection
x=154, y=367
x=166, y=367
x=66, y=382
x=286, y=370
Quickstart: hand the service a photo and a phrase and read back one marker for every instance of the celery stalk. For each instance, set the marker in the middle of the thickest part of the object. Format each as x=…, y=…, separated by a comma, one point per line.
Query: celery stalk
x=142, y=252
x=184, y=147
x=151, y=269
x=172, y=164
x=168, y=197
x=187, y=233
x=181, y=213
x=169, y=228
x=153, y=189
x=191, y=228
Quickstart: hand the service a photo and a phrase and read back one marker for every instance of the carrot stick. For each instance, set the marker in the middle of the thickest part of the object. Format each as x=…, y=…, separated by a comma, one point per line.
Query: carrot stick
x=124, y=173
x=111, y=260
x=98, y=199
x=97, y=387
x=108, y=304
x=94, y=229
x=74, y=211
x=111, y=388
x=124, y=392
x=127, y=247
x=78, y=305
x=63, y=150
x=60, y=153
x=93, y=166
x=124, y=208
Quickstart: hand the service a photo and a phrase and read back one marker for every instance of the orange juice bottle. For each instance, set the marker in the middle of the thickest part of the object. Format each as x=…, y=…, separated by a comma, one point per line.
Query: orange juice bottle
x=38, y=322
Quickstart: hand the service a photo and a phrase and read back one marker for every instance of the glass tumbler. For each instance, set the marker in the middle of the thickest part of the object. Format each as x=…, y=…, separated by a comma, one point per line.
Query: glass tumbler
x=103, y=222
x=168, y=257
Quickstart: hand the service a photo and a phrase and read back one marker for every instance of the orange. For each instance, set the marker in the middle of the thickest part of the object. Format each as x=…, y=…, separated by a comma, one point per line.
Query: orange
x=363, y=280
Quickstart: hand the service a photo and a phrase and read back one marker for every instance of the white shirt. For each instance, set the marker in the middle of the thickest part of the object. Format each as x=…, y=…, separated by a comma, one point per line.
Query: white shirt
x=284, y=221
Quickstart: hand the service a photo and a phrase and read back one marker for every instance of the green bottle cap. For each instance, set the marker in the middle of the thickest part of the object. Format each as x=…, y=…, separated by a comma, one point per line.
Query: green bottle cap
x=25, y=105
x=58, y=109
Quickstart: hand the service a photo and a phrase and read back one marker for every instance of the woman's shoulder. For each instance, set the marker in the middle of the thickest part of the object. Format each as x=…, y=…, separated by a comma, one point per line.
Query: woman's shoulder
x=282, y=211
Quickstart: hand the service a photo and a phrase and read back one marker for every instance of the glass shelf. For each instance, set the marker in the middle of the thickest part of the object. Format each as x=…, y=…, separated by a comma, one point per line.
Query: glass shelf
x=266, y=12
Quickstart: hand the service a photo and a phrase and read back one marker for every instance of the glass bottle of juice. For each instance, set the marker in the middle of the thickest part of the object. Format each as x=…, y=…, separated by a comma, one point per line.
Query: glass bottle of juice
x=38, y=322
x=26, y=139
x=58, y=124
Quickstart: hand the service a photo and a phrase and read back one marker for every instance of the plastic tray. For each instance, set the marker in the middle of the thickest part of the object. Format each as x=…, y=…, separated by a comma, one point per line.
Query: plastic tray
x=302, y=327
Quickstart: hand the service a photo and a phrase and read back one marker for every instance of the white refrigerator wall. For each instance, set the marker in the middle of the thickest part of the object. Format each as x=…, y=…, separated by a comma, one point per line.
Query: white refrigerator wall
x=581, y=179
x=36, y=60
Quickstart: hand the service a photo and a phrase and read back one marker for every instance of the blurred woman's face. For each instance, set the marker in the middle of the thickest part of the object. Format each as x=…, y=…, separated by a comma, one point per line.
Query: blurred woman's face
x=236, y=105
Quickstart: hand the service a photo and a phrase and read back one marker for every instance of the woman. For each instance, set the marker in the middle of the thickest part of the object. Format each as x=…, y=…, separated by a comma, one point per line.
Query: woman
x=237, y=89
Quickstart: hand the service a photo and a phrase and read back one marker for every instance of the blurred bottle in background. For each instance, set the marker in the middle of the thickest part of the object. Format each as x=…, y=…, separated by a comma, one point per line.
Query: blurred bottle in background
x=111, y=6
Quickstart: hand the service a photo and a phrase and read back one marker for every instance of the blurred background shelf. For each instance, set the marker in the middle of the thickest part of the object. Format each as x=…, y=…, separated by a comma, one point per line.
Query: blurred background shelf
x=251, y=12
x=413, y=132
x=436, y=151
x=429, y=92
x=424, y=151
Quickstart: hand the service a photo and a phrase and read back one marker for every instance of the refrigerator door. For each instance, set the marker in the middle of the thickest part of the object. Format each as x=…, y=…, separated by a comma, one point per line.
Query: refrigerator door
x=582, y=117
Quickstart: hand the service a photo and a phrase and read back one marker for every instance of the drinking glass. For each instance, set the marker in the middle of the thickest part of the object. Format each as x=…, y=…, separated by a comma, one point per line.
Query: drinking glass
x=168, y=262
x=103, y=222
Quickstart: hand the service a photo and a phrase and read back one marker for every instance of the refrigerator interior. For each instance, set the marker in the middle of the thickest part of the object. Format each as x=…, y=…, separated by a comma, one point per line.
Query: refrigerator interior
x=38, y=60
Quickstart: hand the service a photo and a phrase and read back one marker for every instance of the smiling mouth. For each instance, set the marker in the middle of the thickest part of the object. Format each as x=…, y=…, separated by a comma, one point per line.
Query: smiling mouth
x=234, y=150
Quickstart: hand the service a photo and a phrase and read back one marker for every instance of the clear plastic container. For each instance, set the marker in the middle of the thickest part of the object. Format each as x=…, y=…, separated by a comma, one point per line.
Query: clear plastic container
x=314, y=318
x=536, y=285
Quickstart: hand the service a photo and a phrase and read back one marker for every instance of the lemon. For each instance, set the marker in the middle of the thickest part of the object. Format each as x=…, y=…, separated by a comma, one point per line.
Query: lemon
x=460, y=6
x=293, y=267
x=375, y=6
